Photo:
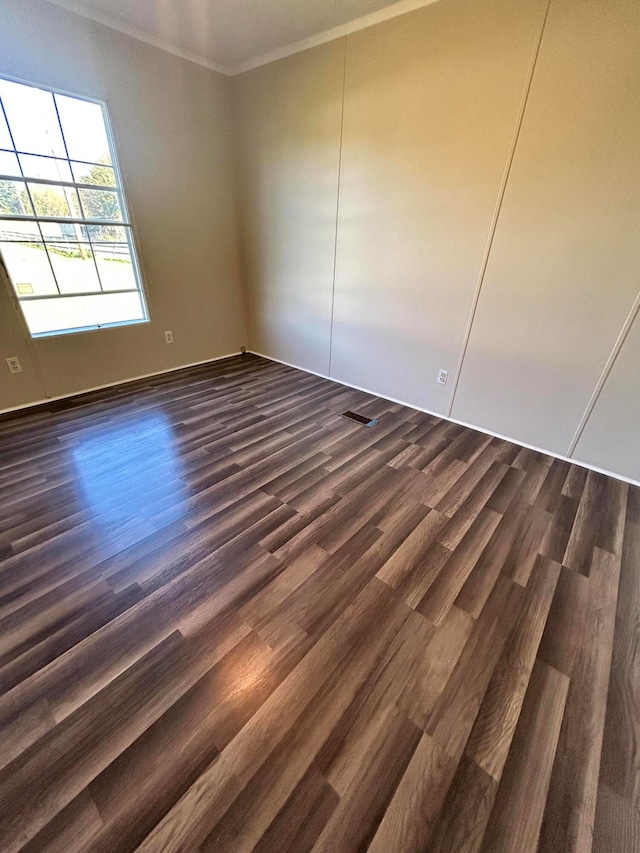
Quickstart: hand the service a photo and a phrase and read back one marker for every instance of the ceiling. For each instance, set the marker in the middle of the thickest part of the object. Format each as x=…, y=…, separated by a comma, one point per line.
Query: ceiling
x=233, y=35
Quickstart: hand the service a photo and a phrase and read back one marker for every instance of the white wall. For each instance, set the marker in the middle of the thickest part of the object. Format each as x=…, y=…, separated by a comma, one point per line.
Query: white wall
x=432, y=103
x=173, y=128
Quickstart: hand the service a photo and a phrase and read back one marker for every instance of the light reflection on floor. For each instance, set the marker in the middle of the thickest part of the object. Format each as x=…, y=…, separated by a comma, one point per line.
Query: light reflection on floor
x=132, y=468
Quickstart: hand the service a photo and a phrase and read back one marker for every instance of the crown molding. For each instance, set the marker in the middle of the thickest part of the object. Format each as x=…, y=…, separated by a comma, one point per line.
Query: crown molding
x=386, y=14
x=78, y=8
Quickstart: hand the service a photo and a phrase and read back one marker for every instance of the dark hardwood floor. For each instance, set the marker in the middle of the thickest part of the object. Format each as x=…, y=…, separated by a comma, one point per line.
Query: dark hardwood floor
x=233, y=620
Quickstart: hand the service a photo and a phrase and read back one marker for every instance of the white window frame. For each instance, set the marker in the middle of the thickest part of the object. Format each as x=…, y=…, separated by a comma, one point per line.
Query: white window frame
x=126, y=222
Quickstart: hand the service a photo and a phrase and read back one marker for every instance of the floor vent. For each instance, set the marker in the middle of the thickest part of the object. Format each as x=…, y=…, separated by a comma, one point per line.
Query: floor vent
x=361, y=419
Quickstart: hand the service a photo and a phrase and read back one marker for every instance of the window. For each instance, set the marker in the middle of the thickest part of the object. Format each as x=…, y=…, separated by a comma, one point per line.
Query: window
x=65, y=236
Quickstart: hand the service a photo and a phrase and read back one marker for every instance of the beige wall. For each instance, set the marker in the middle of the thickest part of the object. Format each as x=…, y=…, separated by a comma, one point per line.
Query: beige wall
x=289, y=116
x=173, y=128
x=432, y=103
x=611, y=438
x=564, y=269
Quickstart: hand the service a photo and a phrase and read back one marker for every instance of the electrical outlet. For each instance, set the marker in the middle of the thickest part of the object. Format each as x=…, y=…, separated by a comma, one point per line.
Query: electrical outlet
x=168, y=337
x=442, y=377
x=14, y=365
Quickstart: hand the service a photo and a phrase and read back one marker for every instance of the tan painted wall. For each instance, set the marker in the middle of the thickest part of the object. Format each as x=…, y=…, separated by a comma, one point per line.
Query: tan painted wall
x=611, y=439
x=564, y=268
x=173, y=128
x=289, y=116
x=432, y=101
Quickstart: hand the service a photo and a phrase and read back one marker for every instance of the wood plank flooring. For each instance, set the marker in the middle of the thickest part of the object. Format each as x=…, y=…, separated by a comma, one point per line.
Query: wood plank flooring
x=233, y=620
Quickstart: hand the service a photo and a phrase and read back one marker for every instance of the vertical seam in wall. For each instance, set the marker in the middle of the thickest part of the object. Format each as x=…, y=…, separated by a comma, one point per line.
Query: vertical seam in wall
x=335, y=244
x=615, y=352
x=498, y=209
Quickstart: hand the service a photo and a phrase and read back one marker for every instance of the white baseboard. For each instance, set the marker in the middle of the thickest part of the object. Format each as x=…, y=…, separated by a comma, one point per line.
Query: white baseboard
x=455, y=421
x=115, y=384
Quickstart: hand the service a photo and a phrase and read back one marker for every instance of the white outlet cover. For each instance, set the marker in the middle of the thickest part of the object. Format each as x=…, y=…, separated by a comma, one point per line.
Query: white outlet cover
x=14, y=365
x=442, y=377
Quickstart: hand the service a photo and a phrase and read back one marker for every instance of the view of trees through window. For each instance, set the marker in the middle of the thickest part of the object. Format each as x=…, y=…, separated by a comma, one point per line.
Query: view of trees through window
x=65, y=238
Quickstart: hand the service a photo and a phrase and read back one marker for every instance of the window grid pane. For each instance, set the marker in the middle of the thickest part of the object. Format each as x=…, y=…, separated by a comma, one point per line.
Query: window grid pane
x=95, y=174
x=6, y=142
x=31, y=115
x=45, y=168
x=9, y=165
x=74, y=267
x=78, y=214
x=15, y=200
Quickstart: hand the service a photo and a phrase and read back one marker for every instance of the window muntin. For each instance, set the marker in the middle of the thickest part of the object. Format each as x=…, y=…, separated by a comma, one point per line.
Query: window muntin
x=65, y=235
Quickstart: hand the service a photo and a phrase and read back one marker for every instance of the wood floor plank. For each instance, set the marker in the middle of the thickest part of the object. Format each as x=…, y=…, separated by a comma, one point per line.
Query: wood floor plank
x=585, y=532
x=434, y=661
x=443, y=592
x=505, y=543
x=567, y=622
x=74, y=828
x=410, y=552
x=460, y=491
x=299, y=824
x=620, y=770
x=617, y=824
x=491, y=737
x=408, y=821
x=517, y=815
x=233, y=620
x=474, y=503
x=324, y=721
x=463, y=819
x=507, y=490
x=455, y=712
x=366, y=798
x=570, y=810
x=205, y=802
